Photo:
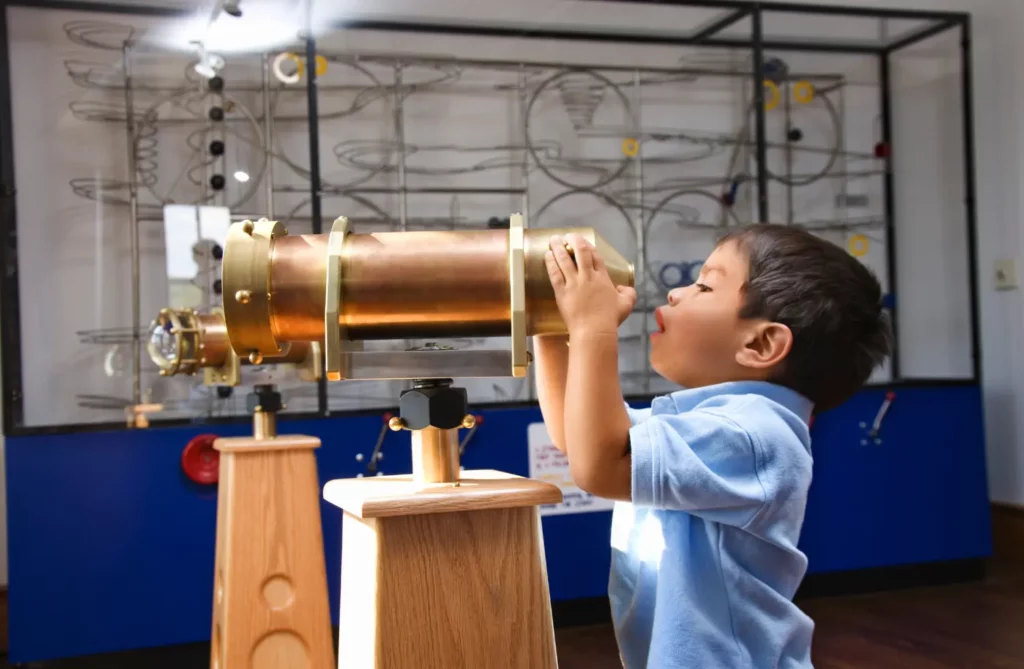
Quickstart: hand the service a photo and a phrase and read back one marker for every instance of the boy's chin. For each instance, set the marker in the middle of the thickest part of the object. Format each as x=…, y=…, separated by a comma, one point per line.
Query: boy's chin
x=670, y=375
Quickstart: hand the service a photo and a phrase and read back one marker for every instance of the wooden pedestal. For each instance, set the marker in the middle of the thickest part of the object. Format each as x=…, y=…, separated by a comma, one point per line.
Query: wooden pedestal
x=439, y=576
x=270, y=592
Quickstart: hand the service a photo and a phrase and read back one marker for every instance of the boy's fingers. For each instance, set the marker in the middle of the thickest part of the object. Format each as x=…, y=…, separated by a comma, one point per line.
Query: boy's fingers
x=563, y=259
x=584, y=254
x=554, y=271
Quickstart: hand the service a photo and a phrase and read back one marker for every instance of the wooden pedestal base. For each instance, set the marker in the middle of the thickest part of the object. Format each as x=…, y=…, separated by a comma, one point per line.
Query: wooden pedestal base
x=444, y=576
x=270, y=591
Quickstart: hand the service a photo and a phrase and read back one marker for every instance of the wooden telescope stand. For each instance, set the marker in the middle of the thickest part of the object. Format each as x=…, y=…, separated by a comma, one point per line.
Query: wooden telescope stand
x=442, y=570
x=270, y=606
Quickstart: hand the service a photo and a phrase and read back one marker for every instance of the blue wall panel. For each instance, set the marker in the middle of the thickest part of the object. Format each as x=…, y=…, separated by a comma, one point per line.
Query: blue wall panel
x=111, y=547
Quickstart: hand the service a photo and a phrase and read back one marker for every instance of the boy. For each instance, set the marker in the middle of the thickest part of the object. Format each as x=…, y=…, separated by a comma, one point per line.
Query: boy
x=711, y=480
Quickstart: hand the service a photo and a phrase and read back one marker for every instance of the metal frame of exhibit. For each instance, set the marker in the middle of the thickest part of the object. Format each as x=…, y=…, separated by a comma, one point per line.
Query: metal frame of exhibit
x=707, y=35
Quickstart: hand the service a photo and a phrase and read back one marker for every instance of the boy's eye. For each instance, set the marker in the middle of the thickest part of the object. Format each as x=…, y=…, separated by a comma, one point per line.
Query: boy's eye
x=703, y=288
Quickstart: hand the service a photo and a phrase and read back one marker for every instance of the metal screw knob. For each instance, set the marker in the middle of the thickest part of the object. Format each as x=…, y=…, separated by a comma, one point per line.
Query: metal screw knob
x=243, y=297
x=469, y=421
x=255, y=357
x=248, y=227
x=396, y=424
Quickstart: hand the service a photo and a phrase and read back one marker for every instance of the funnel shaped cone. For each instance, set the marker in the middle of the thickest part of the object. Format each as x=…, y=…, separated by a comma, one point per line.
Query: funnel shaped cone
x=541, y=311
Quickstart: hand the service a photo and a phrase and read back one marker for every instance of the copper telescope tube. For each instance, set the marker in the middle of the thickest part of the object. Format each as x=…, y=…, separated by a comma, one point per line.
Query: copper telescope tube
x=411, y=285
x=213, y=338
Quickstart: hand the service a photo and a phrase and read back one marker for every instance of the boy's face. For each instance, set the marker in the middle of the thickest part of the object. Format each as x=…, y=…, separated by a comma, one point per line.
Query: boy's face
x=701, y=334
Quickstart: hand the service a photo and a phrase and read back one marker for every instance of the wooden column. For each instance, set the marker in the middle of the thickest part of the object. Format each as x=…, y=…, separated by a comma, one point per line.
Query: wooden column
x=444, y=575
x=270, y=592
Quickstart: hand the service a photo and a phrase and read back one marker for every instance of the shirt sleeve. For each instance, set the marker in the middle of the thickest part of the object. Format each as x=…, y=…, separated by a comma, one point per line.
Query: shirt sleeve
x=699, y=461
x=637, y=415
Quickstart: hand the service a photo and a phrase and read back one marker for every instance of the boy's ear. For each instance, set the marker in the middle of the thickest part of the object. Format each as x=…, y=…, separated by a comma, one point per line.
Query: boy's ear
x=765, y=345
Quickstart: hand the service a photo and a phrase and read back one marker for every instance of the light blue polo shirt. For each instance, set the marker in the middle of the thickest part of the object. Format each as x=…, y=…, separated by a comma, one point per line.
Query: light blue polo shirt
x=704, y=559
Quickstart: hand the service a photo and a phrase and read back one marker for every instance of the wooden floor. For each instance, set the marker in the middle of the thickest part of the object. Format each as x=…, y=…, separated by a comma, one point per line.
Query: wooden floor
x=970, y=626
x=975, y=625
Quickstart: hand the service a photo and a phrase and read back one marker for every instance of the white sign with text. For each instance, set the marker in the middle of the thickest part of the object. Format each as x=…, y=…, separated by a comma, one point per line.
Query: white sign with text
x=550, y=465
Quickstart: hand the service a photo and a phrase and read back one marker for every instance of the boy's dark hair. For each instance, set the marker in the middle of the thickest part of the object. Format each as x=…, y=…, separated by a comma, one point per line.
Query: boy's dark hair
x=830, y=301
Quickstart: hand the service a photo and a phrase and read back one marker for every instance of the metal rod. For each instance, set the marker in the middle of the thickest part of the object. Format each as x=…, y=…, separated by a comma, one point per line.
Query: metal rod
x=429, y=191
x=10, y=295
x=885, y=81
x=268, y=138
x=103, y=8
x=797, y=46
x=970, y=196
x=641, y=233
x=757, y=32
x=400, y=143
x=844, y=159
x=314, y=162
x=524, y=183
x=800, y=8
x=718, y=25
x=524, y=174
x=787, y=90
x=133, y=223
x=353, y=57
x=435, y=455
x=914, y=38
x=264, y=424
x=620, y=37
x=524, y=31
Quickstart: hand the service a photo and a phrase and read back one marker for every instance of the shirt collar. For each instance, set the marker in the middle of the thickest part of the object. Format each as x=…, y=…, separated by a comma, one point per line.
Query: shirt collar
x=684, y=400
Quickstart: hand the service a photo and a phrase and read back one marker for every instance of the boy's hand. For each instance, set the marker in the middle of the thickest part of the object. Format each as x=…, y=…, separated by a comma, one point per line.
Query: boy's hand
x=587, y=299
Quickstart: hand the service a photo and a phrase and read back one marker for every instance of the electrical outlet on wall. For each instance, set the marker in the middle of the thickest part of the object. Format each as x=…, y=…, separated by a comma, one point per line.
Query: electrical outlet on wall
x=1005, y=274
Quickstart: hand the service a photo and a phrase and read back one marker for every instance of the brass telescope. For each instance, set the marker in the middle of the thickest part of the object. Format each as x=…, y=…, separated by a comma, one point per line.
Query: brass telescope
x=185, y=341
x=346, y=287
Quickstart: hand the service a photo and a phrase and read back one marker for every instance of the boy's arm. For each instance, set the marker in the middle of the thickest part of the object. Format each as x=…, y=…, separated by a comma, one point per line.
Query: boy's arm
x=596, y=427
x=551, y=367
x=597, y=436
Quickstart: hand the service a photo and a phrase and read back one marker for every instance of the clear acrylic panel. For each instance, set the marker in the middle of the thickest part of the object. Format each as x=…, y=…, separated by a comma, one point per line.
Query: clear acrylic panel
x=130, y=160
x=934, y=298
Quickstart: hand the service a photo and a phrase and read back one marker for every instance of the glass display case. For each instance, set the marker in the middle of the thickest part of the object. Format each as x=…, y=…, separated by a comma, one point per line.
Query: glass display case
x=138, y=136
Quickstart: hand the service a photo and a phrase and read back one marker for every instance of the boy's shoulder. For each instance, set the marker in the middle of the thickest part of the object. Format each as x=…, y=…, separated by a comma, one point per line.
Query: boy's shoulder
x=772, y=418
x=745, y=402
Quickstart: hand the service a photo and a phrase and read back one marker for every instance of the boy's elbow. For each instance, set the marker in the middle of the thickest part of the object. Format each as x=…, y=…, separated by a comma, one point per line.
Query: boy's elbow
x=593, y=479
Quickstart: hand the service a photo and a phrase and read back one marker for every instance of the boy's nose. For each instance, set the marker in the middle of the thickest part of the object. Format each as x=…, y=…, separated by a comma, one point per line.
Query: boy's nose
x=674, y=295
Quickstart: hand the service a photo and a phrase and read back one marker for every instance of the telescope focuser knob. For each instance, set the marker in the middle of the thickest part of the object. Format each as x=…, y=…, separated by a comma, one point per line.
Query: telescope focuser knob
x=436, y=405
x=264, y=399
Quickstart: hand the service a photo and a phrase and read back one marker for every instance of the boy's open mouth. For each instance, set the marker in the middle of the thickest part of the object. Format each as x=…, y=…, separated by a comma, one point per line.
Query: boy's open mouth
x=658, y=318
